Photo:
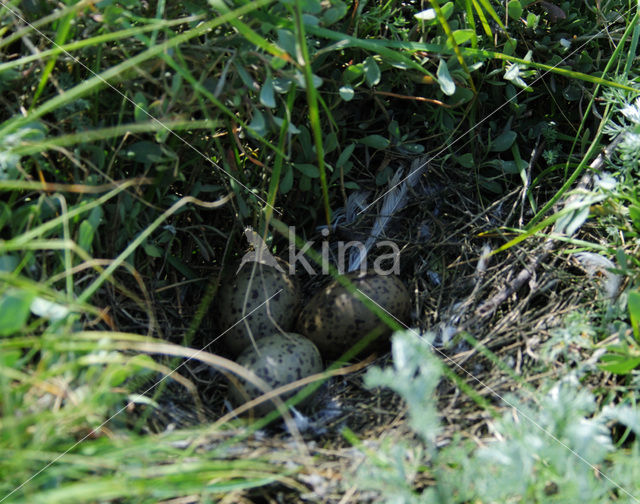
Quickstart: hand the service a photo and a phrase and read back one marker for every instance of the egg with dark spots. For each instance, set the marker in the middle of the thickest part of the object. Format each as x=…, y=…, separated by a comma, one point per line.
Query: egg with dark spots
x=278, y=359
x=256, y=302
x=335, y=319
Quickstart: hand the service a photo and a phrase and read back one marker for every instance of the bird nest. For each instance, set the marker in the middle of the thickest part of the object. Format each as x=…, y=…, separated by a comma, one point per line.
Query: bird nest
x=477, y=308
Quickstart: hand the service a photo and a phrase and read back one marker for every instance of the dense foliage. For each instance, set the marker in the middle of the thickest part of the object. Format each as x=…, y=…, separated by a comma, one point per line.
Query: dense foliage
x=139, y=139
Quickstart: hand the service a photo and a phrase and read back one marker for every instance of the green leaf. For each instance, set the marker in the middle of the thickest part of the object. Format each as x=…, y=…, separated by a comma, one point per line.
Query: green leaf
x=445, y=81
x=310, y=20
x=291, y=128
x=5, y=210
x=510, y=167
x=311, y=6
x=514, y=9
x=532, y=21
x=383, y=176
x=140, y=109
x=8, y=262
x=413, y=148
x=315, y=80
x=85, y=235
x=309, y=170
x=8, y=78
x=330, y=143
x=462, y=36
x=287, y=41
x=118, y=374
x=152, y=250
x=429, y=15
x=490, y=185
x=95, y=217
x=267, y=95
x=375, y=141
x=353, y=73
x=258, y=124
x=447, y=9
x=143, y=363
x=426, y=15
x=503, y=141
x=633, y=303
x=634, y=213
x=282, y=85
x=346, y=93
x=176, y=84
x=572, y=92
x=305, y=183
x=14, y=311
x=181, y=267
x=371, y=71
x=345, y=155
x=466, y=160
x=286, y=183
x=10, y=358
x=394, y=129
x=305, y=143
x=334, y=13
x=510, y=47
x=144, y=152
x=618, y=363
x=245, y=77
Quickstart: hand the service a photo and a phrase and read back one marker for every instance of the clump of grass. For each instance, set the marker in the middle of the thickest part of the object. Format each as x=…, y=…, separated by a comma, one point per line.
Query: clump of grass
x=128, y=173
x=556, y=444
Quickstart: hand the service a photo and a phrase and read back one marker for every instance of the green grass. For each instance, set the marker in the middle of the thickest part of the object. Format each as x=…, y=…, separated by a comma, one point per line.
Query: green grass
x=138, y=141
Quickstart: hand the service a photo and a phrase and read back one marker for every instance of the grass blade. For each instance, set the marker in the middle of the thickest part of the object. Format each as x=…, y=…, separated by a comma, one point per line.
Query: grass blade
x=96, y=82
x=61, y=37
x=314, y=115
x=447, y=29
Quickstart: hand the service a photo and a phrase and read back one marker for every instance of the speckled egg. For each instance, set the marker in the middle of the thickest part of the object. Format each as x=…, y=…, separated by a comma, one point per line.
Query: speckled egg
x=246, y=291
x=335, y=319
x=278, y=359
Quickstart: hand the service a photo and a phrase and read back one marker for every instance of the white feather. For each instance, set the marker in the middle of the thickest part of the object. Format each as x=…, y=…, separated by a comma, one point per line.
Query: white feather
x=356, y=202
x=395, y=199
